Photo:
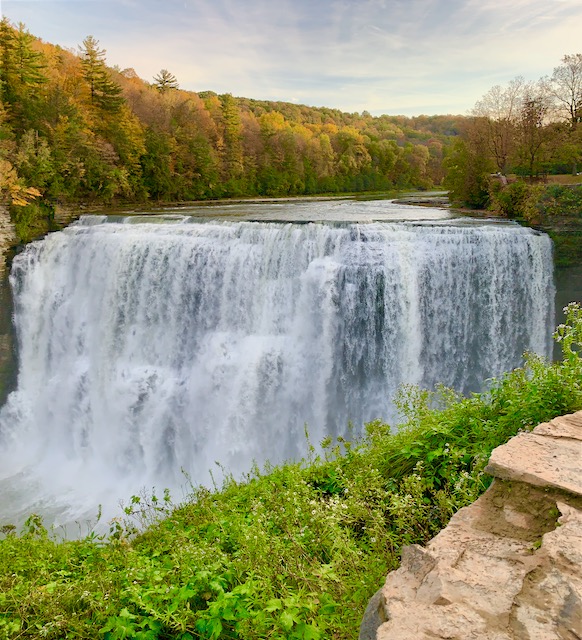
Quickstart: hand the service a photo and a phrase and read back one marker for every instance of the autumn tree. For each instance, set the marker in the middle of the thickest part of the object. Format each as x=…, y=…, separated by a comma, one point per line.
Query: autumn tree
x=350, y=146
x=468, y=165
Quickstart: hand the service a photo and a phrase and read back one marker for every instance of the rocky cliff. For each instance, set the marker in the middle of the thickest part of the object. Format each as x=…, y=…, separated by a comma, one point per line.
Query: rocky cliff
x=508, y=567
x=7, y=240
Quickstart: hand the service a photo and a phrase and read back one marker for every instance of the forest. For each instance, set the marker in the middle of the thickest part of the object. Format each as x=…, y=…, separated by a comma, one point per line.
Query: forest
x=74, y=131
x=525, y=129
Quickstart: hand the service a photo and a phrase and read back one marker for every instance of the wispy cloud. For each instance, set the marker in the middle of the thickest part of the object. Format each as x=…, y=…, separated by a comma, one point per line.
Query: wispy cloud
x=396, y=56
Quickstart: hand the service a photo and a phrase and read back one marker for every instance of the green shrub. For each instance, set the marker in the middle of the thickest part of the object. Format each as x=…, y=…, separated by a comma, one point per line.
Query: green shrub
x=516, y=200
x=32, y=220
x=562, y=200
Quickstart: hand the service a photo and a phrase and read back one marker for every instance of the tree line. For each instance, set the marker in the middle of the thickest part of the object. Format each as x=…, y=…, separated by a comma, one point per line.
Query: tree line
x=73, y=129
x=525, y=129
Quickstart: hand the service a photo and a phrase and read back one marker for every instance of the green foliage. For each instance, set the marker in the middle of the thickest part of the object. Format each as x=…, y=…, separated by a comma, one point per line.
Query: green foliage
x=32, y=220
x=22, y=74
x=104, y=92
x=467, y=176
x=516, y=200
x=293, y=551
x=569, y=336
x=561, y=200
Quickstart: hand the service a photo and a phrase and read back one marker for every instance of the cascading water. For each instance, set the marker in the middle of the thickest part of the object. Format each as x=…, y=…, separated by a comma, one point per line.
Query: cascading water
x=151, y=349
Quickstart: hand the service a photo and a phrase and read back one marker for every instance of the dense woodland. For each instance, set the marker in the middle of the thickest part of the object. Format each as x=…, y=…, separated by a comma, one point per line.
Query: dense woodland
x=77, y=130
x=73, y=130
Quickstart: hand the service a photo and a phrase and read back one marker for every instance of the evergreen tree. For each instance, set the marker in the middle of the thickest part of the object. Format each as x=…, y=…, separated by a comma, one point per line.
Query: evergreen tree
x=22, y=74
x=29, y=64
x=165, y=81
x=104, y=93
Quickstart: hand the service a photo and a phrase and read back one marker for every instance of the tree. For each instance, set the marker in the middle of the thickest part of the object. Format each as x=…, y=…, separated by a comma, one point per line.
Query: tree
x=468, y=166
x=533, y=132
x=165, y=81
x=232, y=132
x=6, y=60
x=22, y=74
x=11, y=185
x=565, y=87
x=498, y=111
x=33, y=160
x=350, y=146
x=29, y=64
x=104, y=92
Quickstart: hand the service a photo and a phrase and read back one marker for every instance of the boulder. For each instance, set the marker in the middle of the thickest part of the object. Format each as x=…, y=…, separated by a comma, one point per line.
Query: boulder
x=506, y=567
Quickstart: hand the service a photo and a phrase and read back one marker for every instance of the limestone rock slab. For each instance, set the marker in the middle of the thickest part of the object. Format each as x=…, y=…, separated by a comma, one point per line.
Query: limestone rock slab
x=508, y=567
x=569, y=426
x=549, y=457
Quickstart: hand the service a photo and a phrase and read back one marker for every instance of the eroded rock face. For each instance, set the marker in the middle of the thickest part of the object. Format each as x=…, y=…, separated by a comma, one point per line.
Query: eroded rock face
x=508, y=567
x=7, y=239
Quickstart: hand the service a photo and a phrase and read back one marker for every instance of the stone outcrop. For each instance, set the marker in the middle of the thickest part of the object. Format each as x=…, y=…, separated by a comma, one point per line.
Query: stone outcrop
x=7, y=234
x=509, y=566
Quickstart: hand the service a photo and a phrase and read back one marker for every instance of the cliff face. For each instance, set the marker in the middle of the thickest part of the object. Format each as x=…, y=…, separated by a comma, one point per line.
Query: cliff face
x=7, y=240
x=7, y=233
x=508, y=567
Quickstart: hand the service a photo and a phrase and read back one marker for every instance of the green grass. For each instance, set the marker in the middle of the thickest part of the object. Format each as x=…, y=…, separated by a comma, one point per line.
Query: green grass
x=567, y=178
x=293, y=551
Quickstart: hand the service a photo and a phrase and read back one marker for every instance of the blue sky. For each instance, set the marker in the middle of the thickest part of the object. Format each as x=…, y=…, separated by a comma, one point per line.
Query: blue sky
x=406, y=57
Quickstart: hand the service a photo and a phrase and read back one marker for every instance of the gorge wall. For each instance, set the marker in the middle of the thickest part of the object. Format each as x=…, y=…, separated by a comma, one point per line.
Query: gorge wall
x=7, y=240
x=508, y=566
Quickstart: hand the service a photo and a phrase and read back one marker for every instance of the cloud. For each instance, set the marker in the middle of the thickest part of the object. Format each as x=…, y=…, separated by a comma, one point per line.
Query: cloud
x=393, y=55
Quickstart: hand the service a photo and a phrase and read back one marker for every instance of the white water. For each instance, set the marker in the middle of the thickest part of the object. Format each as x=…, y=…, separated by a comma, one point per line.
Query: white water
x=147, y=349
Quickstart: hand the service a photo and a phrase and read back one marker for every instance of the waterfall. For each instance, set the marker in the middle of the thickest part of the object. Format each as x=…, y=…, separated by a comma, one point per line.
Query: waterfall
x=147, y=350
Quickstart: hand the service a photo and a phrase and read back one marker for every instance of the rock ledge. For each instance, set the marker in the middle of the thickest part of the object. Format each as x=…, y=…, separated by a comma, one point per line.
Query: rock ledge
x=507, y=567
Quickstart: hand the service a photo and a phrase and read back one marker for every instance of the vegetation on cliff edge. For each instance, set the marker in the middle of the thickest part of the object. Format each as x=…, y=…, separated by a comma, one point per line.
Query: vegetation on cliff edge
x=293, y=551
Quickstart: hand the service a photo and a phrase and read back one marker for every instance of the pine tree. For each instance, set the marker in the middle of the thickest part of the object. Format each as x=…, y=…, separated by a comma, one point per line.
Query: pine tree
x=30, y=65
x=21, y=67
x=6, y=60
x=104, y=93
x=22, y=74
x=165, y=81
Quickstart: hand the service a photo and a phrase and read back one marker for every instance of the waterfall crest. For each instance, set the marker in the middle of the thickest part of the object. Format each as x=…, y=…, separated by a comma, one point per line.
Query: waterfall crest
x=147, y=349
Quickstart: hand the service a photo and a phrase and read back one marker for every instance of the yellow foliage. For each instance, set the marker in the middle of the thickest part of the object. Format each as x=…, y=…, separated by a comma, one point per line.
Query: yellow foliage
x=19, y=194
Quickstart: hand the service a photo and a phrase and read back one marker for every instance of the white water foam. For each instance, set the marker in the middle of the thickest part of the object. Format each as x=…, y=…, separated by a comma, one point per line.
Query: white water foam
x=147, y=349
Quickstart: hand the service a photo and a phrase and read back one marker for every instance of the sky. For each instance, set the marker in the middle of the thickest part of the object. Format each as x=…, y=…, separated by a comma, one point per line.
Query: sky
x=396, y=57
